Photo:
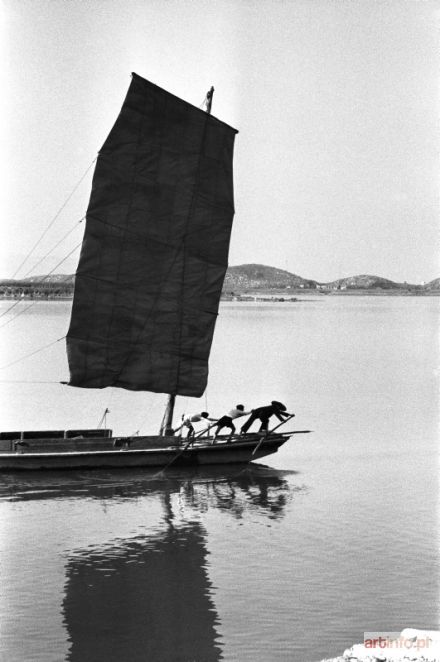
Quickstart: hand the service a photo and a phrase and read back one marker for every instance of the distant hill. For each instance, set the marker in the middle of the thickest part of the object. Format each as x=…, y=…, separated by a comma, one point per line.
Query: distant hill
x=258, y=276
x=364, y=282
x=433, y=285
x=52, y=278
x=240, y=279
x=64, y=279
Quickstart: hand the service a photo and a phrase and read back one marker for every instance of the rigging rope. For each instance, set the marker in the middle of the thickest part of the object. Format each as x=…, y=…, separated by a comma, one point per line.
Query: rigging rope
x=44, y=278
x=22, y=358
x=17, y=315
x=54, y=219
x=104, y=418
x=153, y=397
x=54, y=247
x=27, y=381
x=42, y=281
x=107, y=410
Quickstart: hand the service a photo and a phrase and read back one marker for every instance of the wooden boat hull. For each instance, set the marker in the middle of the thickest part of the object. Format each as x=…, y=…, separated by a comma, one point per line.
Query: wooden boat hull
x=140, y=452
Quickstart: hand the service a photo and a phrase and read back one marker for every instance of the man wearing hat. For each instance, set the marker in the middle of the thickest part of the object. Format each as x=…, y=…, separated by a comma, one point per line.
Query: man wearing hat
x=264, y=414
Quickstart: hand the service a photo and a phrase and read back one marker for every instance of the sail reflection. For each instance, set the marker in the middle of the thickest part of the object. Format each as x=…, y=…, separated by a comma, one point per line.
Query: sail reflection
x=148, y=596
x=143, y=599
x=137, y=583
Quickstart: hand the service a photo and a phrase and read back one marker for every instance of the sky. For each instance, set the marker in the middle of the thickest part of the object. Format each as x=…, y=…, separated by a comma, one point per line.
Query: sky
x=336, y=102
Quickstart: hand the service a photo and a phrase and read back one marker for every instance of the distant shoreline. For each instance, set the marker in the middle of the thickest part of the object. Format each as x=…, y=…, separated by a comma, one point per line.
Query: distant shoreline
x=258, y=297
x=292, y=296
x=244, y=282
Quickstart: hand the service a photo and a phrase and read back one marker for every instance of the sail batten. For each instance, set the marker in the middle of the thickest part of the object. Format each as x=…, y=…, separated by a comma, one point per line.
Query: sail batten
x=155, y=248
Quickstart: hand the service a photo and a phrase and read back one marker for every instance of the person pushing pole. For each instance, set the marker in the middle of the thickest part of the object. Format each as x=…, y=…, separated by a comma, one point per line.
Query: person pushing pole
x=264, y=414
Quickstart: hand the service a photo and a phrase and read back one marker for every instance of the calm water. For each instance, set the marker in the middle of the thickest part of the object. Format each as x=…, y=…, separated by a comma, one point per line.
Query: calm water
x=292, y=562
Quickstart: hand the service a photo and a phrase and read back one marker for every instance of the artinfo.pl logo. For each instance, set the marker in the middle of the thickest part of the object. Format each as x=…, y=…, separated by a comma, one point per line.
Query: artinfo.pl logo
x=399, y=641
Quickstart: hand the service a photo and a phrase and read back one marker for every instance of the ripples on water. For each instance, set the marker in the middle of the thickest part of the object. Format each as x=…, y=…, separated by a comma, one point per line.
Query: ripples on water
x=134, y=587
x=253, y=565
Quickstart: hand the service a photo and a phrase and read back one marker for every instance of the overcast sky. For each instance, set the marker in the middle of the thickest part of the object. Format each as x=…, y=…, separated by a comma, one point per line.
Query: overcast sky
x=336, y=163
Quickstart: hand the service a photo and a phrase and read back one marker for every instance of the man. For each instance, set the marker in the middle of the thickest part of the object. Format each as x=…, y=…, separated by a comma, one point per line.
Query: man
x=195, y=418
x=264, y=414
x=226, y=420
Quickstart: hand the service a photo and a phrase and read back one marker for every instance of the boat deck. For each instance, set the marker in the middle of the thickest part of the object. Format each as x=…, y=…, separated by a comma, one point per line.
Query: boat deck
x=108, y=451
x=47, y=442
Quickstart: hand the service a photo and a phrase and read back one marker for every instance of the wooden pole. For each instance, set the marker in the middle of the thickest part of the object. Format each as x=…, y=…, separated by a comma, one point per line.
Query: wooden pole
x=209, y=100
x=267, y=433
x=280, y=424
x=166, y=429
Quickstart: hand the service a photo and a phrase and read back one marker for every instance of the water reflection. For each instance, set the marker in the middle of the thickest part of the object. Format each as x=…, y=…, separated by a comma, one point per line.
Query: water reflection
x=150, y=597
x=142, y=599
x=233, y=489
x=147, y=595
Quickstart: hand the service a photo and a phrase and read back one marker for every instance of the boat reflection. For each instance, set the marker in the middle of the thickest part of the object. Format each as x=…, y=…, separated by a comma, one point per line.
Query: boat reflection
x=233, y=489
x=148, y=595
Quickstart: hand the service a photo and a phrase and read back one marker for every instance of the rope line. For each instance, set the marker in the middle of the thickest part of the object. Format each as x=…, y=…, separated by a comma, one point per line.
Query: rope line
x=42, y=281
x=204, y=102
x=189, y=216
x=22, y=358
x=23, y=381
x=54, y=247
x=103, y=418
x=107, y=409
x=54, y=219
x=5, y=312
x=152, y=398
x=23, y=310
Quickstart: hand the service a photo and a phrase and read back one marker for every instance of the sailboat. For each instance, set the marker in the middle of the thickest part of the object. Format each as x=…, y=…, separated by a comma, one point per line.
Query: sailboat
x=148, y=285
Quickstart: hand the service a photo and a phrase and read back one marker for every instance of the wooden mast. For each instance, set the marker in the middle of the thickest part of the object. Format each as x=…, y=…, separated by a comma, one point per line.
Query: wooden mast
x=166, y=427
x=167, y=422
x=209, y=100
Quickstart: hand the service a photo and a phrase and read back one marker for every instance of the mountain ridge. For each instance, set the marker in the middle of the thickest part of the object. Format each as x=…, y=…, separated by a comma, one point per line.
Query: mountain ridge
x=258, y=276
x=253, y=276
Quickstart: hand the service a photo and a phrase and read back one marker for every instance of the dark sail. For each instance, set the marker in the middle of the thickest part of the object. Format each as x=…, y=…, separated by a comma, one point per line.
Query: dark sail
x=155, y=248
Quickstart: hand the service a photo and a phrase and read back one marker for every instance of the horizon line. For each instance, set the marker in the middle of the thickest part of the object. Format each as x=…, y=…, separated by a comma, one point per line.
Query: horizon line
x=247, y=264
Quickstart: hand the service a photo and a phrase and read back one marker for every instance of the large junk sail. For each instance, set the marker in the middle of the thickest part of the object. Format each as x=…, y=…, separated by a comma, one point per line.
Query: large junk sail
x=155, y=248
